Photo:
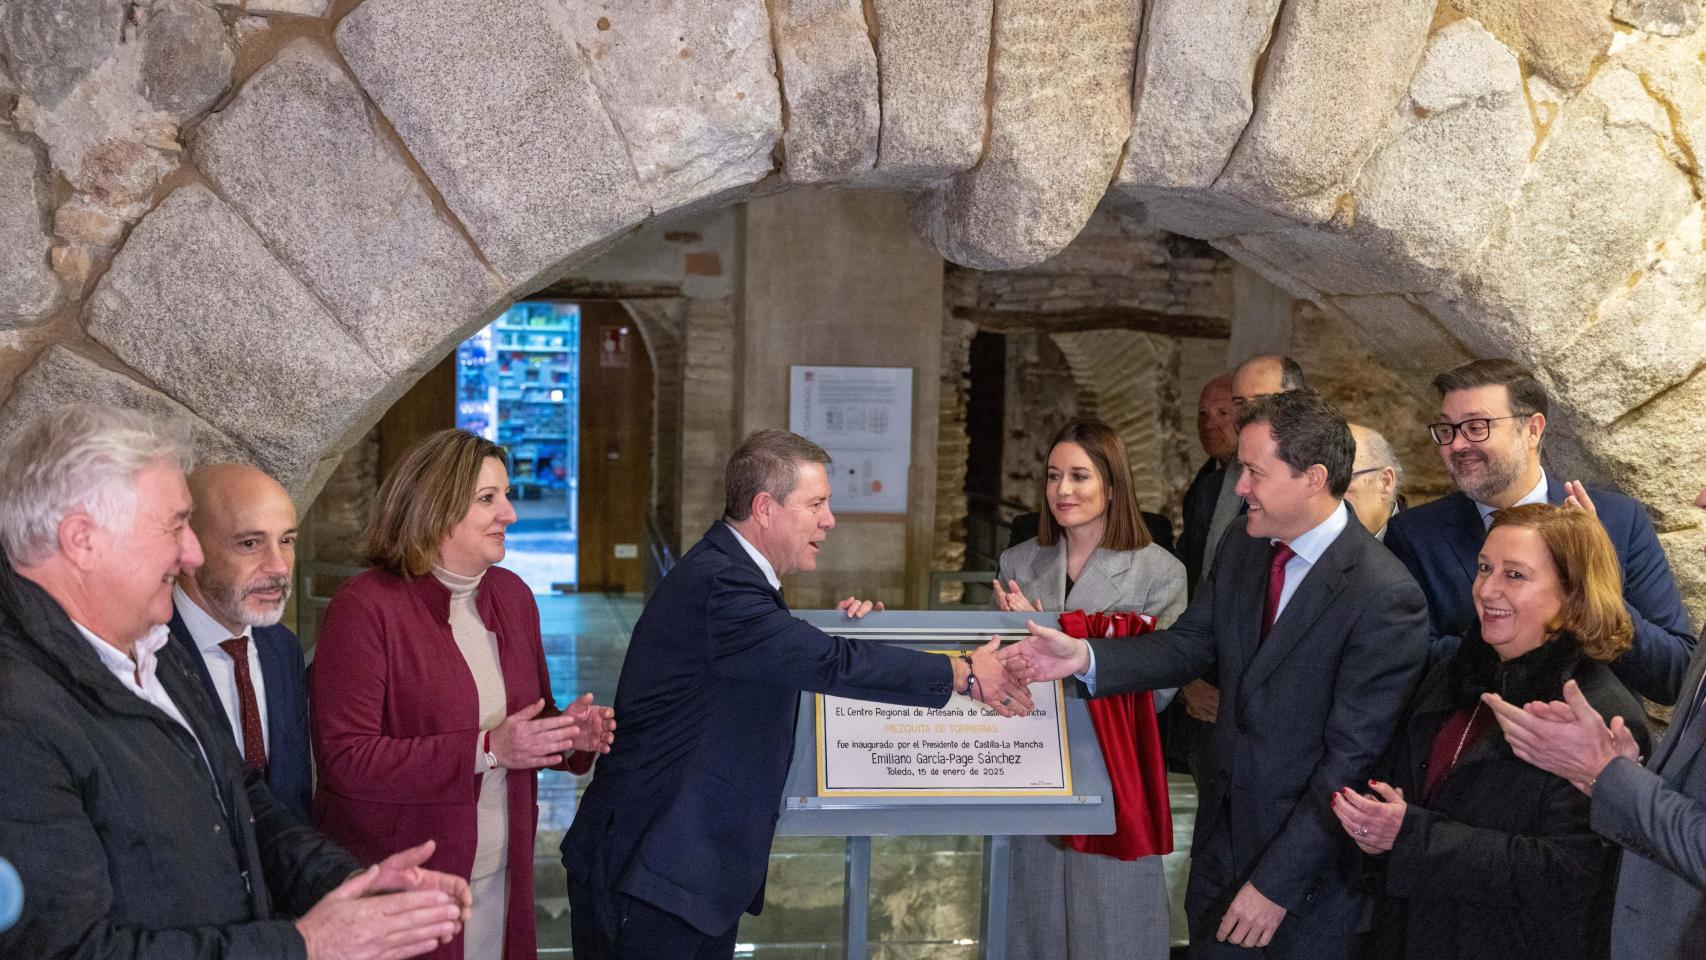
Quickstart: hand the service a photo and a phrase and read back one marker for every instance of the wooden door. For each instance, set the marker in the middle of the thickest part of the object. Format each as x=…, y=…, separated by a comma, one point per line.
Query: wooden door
x=615, y=449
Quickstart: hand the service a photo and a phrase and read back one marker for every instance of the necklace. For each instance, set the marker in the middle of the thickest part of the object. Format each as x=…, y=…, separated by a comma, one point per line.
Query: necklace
x=1465, y=738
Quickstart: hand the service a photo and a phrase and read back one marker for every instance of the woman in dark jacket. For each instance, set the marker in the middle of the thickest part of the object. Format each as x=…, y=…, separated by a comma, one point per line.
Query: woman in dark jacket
x=1477, y=853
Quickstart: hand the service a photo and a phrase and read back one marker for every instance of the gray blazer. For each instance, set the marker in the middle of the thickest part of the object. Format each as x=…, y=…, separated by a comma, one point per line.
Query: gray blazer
x=1657, y=813
x=1149, y=580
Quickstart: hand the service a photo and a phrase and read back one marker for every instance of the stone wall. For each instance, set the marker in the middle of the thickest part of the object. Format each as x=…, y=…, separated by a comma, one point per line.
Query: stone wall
x=1457, y=179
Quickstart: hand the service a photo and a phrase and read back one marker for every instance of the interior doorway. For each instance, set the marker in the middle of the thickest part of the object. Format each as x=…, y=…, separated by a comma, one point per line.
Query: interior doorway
x=518, y=384
x=615, y=448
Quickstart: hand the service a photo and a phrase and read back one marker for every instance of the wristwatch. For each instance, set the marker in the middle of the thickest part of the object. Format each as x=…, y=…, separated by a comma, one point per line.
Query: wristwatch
x=491, y=758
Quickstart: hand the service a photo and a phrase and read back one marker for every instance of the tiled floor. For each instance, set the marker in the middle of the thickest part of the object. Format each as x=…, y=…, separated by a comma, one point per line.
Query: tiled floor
x=925, y=899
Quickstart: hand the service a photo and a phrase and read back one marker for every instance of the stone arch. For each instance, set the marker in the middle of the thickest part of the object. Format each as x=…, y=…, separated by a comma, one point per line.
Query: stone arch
x=209, y=207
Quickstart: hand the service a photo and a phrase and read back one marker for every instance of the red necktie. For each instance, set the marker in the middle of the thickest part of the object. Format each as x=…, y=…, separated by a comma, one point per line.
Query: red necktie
x=254, y=745
x=1276, y=586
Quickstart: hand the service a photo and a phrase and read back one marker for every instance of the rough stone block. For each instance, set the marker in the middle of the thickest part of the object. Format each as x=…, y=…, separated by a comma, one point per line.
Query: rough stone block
x=1655, y=454
x=1565, y=245
x=494, y=101
x=1060, y=115
x=1453, y=158
x=51, y=45
x=933, y=59
x=196, y=303
x=1195, y=87
x=61, y=376
x=829, y=81
x=1336, y=72
x=1646, y=338
x=28, y=290
x=1667, y=18
x=691, y=87
x=1406, y=338
x=186, y=58
x=1560, y=39
x=299, y=156
x=300, y=8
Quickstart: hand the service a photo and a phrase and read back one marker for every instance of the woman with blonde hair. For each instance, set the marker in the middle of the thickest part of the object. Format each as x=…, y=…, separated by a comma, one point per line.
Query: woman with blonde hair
x=431, y=701
x=1478, y=853
x=1093, y=554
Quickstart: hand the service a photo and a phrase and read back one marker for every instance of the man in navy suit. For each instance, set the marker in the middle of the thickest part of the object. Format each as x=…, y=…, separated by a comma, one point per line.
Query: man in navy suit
x=670, y=842
x=226, y=615
x=1315, y=637
x=1492, y=418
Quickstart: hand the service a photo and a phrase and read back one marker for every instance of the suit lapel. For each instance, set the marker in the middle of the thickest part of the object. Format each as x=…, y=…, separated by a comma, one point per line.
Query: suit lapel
x=180, y=635
x=1097, y=588
x=1047, y=578
x=1321, y=586
x=1465, y=539
x=275, y=673
x=1690, y=725
x=1245, y=560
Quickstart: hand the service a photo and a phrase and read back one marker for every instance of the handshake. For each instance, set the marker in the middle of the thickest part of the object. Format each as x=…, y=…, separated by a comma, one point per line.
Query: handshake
x=986, y=678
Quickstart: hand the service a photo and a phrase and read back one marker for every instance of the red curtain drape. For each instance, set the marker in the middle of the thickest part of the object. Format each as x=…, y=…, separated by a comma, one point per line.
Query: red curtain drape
x=1131, y=745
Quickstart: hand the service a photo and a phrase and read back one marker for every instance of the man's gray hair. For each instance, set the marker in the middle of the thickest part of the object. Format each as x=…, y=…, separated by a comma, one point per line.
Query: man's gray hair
x=767, y=461
x=1380, y=454
x=80, y=458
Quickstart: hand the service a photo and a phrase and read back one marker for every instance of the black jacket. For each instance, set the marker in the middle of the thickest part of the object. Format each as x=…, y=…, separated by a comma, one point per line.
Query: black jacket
x=127, y=845
x=1501, y=863
x=1199, y=513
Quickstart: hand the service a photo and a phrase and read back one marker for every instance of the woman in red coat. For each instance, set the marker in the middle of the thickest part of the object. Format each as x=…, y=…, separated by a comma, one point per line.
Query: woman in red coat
x=431, y=702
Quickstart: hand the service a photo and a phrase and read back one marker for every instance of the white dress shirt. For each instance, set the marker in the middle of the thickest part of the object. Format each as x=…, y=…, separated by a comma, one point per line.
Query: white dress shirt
x=207, y=634
x=1307, y=548
x=129, y=670
x=1537, y=495
x=758, y=558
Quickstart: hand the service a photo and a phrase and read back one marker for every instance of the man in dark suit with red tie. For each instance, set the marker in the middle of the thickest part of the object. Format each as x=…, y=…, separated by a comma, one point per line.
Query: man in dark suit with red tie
x=1315, y=635
x=225, y=615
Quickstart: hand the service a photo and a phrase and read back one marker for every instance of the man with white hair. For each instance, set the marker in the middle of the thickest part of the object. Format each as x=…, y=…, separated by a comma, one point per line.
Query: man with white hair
x=1376, y=481
x=226, y=616
x=136, y=829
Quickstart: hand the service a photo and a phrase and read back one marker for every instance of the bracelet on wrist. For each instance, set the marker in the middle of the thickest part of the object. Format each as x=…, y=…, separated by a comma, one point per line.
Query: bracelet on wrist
x=971, y=675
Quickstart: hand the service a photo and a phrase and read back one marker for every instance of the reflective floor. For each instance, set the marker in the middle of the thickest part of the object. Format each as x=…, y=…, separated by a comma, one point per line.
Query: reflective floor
x=926, y=891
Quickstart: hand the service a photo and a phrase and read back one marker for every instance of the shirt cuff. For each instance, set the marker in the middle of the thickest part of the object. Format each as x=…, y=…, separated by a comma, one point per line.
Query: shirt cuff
x=1088, y=677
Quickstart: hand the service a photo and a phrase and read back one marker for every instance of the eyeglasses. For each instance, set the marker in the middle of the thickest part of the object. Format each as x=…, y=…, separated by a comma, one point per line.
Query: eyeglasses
x=1358, y=473
x=1474, y=431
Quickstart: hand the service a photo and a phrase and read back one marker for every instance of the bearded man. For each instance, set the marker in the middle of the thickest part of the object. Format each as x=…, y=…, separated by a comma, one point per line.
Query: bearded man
x=226, y=613
x=1492, y=419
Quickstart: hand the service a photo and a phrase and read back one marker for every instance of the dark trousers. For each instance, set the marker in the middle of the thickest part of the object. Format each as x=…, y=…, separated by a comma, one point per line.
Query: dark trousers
x=605, y=925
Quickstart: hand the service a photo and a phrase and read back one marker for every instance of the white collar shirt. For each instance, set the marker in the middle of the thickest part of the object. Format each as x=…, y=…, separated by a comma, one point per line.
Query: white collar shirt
x=207, y=635
x=1537, y=495
x=758, y=558
x=1307, y=549
x=139, y=675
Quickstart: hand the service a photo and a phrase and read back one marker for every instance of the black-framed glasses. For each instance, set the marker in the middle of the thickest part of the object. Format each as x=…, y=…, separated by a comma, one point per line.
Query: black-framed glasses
x=1358, y=473
x=1474, y=429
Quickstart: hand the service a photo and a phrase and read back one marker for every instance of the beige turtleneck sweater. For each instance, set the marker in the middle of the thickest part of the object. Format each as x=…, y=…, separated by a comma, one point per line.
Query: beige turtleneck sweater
x=479, y=648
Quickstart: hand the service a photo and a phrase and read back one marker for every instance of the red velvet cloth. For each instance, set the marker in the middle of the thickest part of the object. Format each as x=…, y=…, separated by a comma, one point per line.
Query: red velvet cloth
x=1131, y=745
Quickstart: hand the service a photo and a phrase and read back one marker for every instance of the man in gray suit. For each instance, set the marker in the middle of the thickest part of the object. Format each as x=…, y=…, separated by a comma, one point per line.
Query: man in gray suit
x=1315, y=635
x=1657, y=813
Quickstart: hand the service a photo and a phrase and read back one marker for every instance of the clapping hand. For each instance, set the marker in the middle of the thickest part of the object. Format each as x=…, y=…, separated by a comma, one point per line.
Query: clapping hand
x=1012, y=599
x=595, y=726
x=1568, y=739
x=1373, y=822
x=404, y=870
x=1576, y=498
x=525, y=740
